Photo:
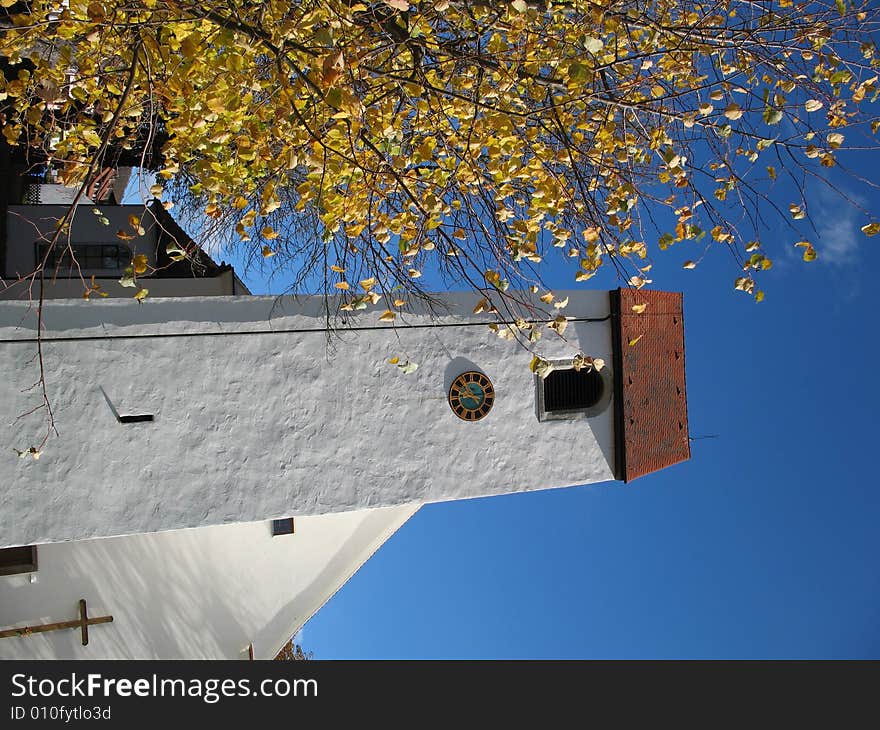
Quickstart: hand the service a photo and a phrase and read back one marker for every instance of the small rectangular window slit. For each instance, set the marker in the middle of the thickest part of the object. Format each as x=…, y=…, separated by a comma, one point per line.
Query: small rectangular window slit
x=18, y=560
x=282, y=527
x=139, y=418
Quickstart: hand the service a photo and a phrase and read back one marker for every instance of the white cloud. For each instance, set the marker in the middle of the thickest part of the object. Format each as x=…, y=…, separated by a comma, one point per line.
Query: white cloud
x=837, y=224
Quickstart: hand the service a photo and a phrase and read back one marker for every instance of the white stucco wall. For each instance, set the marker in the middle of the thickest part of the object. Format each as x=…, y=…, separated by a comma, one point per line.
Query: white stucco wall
x=249, y=427
x=190, y=594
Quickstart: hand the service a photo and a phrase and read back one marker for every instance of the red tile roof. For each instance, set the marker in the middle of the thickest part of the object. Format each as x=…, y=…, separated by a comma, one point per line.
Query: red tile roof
x=651, y=426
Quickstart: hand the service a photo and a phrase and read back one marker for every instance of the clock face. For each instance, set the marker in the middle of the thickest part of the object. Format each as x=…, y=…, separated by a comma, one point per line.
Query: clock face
x=471, y=396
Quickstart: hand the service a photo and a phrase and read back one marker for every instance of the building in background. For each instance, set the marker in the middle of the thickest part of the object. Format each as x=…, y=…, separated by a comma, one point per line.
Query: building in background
x=103, y=240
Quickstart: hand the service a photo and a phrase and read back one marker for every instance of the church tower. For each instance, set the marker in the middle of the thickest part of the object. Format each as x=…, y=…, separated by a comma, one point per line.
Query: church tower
x=187, y=412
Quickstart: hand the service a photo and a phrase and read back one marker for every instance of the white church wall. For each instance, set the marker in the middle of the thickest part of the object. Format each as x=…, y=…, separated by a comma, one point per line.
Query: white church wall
x=254, y=425
x=205, y=593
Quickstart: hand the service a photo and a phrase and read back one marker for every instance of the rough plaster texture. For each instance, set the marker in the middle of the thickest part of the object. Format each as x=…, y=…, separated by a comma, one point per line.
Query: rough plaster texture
x=190, y=594
x=258, y=426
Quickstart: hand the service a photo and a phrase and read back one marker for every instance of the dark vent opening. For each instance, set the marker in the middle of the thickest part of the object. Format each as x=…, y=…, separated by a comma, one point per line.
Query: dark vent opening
x=18, y=560
x=282, y=527
x=140, y=418
x=570, y=390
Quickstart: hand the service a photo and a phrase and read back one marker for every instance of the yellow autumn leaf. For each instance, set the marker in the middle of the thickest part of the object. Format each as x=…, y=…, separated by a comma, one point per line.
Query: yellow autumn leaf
x=387, y=316
x=267, y=252
x=639, y=308
x=482, y=306
x=872, y=229
x=591, y=234
x=540, y=366
x=141, y=294
x=139, y=263
x=809, y=251
x=632, y=342
x=367, y=284
x=689, y=265
x=189, y=47
x=91, y=136
x=733, y=111
x=269, y=233
x=559, y=324
x=342, y=285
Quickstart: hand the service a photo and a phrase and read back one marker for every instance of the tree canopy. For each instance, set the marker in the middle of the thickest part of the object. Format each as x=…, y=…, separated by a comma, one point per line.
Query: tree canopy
x=366, y=142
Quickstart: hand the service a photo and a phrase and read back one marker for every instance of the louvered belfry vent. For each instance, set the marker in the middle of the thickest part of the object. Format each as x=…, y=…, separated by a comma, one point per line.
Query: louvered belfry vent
x=570, y=390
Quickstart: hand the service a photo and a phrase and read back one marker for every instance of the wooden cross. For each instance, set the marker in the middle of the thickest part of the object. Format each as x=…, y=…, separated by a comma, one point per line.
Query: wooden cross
x=82, y=623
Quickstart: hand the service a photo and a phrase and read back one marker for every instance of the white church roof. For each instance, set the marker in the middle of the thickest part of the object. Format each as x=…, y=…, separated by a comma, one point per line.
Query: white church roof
x=190, y=594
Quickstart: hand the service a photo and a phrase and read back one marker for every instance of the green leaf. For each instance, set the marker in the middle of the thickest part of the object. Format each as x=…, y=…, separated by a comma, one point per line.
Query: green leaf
x=334, y=97
x=577, y=71
x=128, y=277
x=772, y=115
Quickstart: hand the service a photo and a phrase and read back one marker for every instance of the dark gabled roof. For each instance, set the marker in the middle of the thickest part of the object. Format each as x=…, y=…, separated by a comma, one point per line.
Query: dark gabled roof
x=198, y=262
x=651, y=423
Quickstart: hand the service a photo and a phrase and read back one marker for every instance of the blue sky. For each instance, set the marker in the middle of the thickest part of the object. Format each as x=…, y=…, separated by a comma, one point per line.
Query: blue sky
x=763, y=545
